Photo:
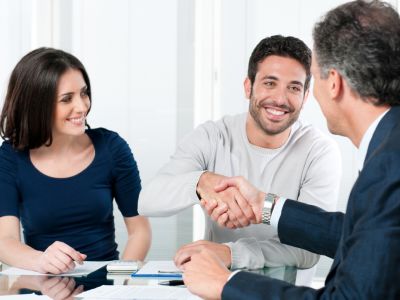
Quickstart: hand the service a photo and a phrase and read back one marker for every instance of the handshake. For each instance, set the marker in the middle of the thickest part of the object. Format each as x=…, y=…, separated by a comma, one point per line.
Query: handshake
x=232, y=202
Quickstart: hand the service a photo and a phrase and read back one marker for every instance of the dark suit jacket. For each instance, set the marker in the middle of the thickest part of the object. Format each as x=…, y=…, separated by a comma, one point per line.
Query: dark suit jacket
x=365, y=242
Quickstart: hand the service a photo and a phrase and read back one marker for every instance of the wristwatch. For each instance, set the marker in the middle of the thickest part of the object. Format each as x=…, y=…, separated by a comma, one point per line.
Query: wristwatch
x=269, y=203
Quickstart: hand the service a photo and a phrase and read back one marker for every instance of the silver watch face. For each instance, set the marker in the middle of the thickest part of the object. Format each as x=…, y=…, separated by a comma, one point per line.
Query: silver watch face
x=269, y=199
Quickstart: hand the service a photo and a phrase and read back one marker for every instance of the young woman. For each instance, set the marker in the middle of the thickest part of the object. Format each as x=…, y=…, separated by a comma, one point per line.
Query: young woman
x=58, y=176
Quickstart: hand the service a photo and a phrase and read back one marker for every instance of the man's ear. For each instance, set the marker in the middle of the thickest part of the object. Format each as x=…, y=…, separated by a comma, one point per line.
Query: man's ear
x=247, y=87
x=306, y=93
x=335, y=81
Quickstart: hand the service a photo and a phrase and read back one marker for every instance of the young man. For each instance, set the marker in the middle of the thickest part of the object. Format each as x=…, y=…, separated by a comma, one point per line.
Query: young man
x=356, y=66
x=267, y=145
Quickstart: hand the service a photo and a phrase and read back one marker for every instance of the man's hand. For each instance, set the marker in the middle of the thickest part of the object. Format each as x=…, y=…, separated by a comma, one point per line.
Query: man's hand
x=184, y=254
x=254, y=197
x=227, y=205
x=205, y=275
x=59, y=258
x=207, y=182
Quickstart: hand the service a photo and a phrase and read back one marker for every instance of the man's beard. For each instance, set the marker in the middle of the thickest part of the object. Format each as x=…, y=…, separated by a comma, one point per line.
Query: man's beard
x=268, y=127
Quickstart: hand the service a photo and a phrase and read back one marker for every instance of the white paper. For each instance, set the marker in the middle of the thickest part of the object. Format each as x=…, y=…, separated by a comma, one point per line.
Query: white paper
x=86, y=268
x=138, y=292
x=159, y=267
x=25, y=297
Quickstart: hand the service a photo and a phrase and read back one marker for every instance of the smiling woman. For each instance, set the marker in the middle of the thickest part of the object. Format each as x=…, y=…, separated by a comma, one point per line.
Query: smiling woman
x=58, y=176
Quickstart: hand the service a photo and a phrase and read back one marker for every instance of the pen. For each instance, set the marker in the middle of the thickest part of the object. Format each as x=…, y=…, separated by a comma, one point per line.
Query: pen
x=172, y=282
x=169, y=272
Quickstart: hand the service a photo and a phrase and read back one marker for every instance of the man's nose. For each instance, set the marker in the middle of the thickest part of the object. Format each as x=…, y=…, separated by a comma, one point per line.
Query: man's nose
x=280, y=96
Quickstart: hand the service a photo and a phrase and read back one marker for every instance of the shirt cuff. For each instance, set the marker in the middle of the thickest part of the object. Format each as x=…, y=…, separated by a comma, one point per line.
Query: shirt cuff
x=276, y=213
x=195, y=182
x=233, y=274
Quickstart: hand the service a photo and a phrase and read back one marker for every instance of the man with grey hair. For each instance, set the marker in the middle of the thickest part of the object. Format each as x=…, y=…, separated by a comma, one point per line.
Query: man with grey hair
x=356, y=68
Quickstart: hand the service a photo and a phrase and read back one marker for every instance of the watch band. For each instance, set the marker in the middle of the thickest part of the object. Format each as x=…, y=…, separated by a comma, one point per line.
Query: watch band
x=269, y=203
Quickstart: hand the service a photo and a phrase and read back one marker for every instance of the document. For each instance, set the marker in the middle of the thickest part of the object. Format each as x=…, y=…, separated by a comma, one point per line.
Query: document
x=25, y=297
x=80, y=270
x=138, y=292
x=158, y=268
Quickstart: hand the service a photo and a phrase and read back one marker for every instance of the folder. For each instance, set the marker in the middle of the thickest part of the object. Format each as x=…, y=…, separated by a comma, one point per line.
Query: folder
x=160, y=269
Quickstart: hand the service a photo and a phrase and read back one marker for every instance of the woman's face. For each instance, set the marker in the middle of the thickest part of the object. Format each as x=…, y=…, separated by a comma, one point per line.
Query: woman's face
x=72, y=105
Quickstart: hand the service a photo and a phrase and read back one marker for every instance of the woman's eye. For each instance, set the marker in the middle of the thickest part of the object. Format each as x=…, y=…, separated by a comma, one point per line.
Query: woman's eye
x=65, y=99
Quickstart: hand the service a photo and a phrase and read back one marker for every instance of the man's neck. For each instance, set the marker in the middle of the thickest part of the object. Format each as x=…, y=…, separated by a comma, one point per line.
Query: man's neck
x=256, y=136
x=362, y=119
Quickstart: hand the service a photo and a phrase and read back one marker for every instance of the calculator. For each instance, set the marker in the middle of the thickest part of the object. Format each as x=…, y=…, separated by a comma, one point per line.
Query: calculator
x=123, y=266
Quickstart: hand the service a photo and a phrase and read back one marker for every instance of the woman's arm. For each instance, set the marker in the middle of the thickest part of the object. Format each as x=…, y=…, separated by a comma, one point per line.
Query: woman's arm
x=139, y=238
x=12, y=251
x=57, y=258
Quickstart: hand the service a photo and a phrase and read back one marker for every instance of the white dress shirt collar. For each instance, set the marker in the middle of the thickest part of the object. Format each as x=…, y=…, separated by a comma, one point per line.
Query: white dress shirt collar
x=366, y=139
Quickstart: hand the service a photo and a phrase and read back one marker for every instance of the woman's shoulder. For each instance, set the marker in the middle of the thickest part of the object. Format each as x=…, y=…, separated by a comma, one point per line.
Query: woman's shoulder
x=9, y=157
x=103, y=135
x=100, y=132
x=7, y=150
x=108, y=139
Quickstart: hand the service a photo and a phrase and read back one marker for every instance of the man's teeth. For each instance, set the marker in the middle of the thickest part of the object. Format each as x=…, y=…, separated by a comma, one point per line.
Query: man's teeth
x=275, y=112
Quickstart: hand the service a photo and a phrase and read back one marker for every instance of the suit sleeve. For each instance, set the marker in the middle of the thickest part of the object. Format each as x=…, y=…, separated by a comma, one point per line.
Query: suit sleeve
x=319, y=187
x=366, y=264
x=174, y=186
x=309, y=227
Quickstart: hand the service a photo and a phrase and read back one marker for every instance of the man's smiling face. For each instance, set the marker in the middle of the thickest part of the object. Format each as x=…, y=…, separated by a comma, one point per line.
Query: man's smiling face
x=277, y=94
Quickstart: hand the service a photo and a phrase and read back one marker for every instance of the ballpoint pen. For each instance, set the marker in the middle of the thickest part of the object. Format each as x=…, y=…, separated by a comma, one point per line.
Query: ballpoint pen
x=172, y=282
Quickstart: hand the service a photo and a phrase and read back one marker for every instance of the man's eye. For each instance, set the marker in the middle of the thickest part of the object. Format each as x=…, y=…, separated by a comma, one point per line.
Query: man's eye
x=295, y=89
x=269, y=83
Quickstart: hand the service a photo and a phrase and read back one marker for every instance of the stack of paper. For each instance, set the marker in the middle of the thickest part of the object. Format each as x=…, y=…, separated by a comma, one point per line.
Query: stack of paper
x=25, y=297
x=80, y=270
x=123, y=292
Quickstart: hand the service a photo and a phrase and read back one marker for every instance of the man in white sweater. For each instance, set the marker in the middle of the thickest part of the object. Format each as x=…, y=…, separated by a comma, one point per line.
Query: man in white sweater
x=269, y=146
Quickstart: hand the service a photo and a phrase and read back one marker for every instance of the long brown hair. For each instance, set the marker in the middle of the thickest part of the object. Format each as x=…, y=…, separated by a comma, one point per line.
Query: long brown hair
x=27, y=116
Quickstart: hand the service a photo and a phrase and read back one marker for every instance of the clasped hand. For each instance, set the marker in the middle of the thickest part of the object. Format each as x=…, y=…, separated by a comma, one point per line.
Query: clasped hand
x=232, y=202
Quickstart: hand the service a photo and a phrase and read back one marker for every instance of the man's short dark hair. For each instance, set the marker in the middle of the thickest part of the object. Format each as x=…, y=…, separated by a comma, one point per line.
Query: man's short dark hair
x=361, y=40
x=281, y=46
x=27, y=117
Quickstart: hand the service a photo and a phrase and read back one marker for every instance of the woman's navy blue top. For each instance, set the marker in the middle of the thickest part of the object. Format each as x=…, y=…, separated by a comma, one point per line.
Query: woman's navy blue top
x=77, y=210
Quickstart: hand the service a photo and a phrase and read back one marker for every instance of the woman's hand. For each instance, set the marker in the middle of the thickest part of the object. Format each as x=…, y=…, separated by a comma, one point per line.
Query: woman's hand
x=59, y=258
x=60, y=288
